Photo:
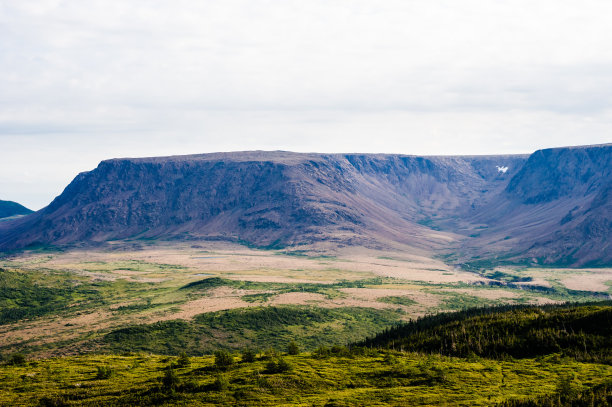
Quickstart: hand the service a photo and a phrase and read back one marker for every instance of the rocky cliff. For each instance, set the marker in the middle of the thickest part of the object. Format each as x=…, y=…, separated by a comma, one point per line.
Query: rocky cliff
x=557, y=209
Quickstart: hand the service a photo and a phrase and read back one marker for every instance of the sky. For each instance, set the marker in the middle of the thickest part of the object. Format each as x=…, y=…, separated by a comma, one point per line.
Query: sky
x=84, y=81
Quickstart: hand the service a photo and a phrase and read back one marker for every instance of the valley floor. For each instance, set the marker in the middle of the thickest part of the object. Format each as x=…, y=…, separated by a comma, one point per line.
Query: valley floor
x=69, y=302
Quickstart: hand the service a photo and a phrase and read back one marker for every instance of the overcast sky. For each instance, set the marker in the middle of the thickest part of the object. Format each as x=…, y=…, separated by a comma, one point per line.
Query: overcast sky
x=82, y=81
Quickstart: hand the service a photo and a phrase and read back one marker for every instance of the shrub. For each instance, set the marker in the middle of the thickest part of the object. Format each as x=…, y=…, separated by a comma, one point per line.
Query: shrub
x=221, y=383
x=390, y=359
x=340, y=351
x=104, y=372
x=183, y=360
x=248, y=355
x=56, y=401
x=293, y=348
x=223, y=359
x=16, y=359
x=321, y=352
x=278, y=365
x=170, y=381
x=271, y=353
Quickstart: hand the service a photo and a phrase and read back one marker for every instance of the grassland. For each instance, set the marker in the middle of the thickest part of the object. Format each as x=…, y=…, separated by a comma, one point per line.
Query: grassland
x=106, y=326
x=68, y=302
x=523, y=374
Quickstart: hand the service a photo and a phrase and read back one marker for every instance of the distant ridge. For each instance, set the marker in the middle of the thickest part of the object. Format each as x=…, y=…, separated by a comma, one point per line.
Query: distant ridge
x=10, y=208
x=552, y=207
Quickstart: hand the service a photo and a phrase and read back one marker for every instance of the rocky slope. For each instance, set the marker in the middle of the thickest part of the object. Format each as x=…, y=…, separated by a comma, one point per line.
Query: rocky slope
x=556, y=210
x=551, y=207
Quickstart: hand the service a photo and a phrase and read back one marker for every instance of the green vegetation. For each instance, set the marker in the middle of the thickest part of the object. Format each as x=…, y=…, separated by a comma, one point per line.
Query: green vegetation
x=295, y=355
x=259, y=327
x=466, y=358
x=293, y=348
x=34, y=294
x=16, y=359
x=454, y=301
x=581, y=331
x=329, y=290
x=248, y=355
x=104, y=372
x=365, y=377
x=569, y=395
x=397, y=300
x=223, y=360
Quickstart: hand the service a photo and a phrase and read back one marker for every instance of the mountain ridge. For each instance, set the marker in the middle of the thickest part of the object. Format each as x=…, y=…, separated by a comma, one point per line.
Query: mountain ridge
x=280, y=198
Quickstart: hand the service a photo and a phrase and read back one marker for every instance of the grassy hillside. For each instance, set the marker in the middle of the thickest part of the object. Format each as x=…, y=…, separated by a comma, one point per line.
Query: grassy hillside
x=563, y=356
x=373, y=378
x=582, y=331
x=28, y=295
x=259, y=327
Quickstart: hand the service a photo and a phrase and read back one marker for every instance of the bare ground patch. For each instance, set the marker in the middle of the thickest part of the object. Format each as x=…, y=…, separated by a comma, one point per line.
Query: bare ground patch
x=495, y=294
x=593, y=280
x=218, y=299
x=45, y=331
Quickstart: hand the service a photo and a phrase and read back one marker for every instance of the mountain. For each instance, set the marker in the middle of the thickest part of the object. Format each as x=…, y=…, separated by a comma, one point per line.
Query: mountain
x=551, y=207
x=265, y=198
x=557, y=209
x=10, y=208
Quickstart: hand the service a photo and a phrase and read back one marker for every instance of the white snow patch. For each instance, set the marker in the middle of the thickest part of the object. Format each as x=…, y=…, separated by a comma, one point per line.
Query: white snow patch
x=501, y=169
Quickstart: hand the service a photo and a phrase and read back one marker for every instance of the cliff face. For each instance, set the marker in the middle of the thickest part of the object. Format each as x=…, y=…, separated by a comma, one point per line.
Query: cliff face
x=562, y=173
x=580, y=178
x=281, y=198
x=556, y=210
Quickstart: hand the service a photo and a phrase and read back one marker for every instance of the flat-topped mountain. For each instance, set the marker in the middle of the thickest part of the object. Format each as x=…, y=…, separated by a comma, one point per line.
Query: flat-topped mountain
x=539, y=203
x=10, y=208
x=557, y=209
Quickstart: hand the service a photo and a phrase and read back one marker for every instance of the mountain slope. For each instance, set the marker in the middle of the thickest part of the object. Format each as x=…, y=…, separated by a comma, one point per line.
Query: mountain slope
x=265, y=198
x=552, y=207
x=556, y=210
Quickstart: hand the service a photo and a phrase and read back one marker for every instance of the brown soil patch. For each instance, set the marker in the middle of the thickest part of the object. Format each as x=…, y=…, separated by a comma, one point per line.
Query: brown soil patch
x=543, y=301
x=594, y=280
x=495, y=294
x=218, y=299
x=50, y=331
x=275, y=279
x=373, y=294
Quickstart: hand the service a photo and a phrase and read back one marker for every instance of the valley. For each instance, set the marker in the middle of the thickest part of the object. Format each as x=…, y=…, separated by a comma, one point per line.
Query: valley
x=99, y=291
x=468, y=280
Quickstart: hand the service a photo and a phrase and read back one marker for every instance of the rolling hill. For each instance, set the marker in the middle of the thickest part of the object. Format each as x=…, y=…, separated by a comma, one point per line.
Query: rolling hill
x=10, y=208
